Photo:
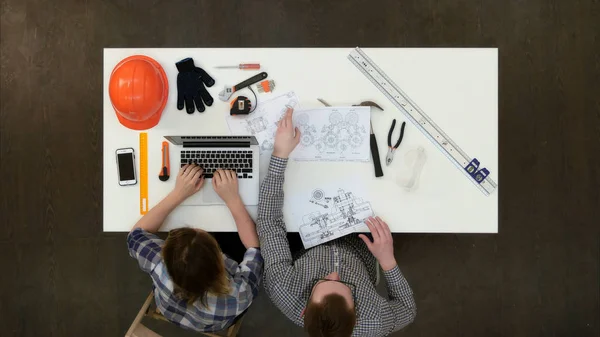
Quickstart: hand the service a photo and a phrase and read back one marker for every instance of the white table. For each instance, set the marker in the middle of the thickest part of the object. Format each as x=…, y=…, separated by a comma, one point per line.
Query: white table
x=457, y=88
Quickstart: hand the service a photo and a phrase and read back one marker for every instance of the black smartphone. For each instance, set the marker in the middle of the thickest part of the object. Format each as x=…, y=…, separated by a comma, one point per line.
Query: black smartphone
x=126, y=166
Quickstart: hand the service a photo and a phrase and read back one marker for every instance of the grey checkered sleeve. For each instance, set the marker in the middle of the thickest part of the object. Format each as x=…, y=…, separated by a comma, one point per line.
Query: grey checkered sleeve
x=402, y=304
x=270, y=226
x=279, y=269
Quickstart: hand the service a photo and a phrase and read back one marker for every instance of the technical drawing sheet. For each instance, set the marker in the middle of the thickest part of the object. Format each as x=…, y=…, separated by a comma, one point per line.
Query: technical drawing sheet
x=333, y=134
x=262, y=123
x=326, y=213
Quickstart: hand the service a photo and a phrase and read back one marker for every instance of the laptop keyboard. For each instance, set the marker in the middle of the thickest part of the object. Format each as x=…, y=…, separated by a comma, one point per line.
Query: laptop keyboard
x=239, y=161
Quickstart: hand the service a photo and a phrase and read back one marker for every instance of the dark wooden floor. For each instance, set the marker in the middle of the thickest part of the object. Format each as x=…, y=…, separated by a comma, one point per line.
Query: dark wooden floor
x=538, y=277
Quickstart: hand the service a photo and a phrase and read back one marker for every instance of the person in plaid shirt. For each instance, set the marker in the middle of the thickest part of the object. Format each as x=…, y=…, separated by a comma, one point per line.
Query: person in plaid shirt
x=329, y=289
x=196, y=286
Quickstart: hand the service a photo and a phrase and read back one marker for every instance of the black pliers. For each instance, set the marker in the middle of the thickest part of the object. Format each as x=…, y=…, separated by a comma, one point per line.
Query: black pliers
x=390, y=154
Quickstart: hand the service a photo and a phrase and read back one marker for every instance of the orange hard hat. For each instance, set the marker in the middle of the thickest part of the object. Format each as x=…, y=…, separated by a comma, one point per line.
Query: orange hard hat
x=138, y=91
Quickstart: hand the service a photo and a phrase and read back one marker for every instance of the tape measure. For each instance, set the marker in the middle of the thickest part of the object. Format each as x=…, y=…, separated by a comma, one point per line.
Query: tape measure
x=143, y=173
x=467, y=165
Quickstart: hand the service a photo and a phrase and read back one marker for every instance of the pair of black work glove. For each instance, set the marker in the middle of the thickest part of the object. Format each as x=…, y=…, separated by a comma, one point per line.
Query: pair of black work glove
x=190, y=86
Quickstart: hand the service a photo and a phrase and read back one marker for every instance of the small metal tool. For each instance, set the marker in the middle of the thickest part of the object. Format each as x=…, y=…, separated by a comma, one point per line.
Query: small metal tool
x=323, y=102
x=242, y=66
x=391, y=149
x=373, y=141
x=226, y=93
x=369, y=103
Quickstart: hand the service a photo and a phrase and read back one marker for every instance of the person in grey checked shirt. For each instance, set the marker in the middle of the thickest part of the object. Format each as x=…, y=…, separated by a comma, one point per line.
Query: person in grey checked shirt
x=329, y=289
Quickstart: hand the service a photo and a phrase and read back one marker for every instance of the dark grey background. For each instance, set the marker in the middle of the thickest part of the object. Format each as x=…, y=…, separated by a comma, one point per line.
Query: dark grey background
x=538, y=277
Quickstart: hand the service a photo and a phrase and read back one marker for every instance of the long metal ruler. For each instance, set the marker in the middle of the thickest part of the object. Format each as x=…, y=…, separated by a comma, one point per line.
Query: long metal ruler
x=469, y=166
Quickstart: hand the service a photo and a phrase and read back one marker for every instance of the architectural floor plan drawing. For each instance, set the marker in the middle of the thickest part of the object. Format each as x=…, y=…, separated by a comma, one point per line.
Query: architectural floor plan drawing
x=333, y=133
x=332, y=213
x=262, y=123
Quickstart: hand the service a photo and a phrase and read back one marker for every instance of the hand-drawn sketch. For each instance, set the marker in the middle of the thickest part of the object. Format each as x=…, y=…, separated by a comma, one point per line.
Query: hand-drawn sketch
x=340, y=213
x=333, y=134
x=262, y=123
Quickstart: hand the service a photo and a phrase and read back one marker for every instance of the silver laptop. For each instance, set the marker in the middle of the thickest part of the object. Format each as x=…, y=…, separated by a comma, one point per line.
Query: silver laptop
x=237, y=153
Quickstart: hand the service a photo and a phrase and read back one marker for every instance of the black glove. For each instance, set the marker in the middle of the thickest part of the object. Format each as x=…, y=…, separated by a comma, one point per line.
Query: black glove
x=190, y=86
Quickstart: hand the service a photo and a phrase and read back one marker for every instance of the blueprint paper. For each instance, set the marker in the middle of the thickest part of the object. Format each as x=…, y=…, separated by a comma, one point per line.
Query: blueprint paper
x=327, y=213
x=262, y=123
x=333, y=134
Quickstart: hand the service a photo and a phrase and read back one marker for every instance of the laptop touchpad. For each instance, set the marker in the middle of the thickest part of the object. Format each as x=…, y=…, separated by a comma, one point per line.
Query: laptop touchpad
x=209, y=195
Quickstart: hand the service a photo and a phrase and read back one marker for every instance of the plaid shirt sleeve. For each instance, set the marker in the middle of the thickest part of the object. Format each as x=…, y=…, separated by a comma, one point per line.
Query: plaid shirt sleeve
x=402, y=308
x=230, y=264
x=272, y=234
x=270, y=226
x=247, y=280
x=145, y=247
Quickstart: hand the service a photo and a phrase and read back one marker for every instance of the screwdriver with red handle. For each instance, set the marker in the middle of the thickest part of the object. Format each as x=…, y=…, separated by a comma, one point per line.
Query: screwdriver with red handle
x=243, y=66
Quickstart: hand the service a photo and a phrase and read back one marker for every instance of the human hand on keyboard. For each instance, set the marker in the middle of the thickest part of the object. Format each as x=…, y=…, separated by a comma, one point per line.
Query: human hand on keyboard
x=189, y=181
x=225, y=183
x=285, y=139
